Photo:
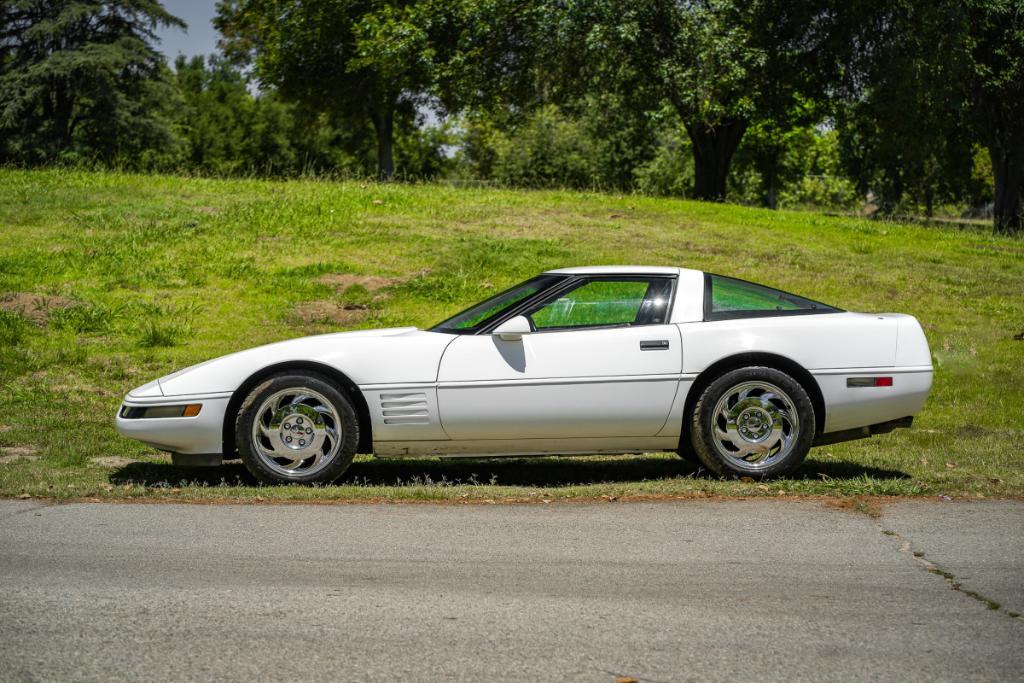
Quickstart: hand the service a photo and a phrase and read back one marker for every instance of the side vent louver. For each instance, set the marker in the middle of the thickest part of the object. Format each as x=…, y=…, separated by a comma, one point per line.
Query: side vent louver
x=404, y=409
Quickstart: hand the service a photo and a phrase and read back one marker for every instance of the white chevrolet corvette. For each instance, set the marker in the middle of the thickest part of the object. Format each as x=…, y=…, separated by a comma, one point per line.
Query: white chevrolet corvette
x=610, y=359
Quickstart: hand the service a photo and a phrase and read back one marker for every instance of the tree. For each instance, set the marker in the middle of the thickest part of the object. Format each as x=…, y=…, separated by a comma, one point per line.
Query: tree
x=992, y=88
x=765, y=145
x=932, y=80
x=720, y=63
x=356, y=60
x=82, y=77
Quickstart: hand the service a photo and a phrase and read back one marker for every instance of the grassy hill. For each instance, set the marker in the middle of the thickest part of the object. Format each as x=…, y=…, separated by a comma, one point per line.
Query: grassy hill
x=108, y=280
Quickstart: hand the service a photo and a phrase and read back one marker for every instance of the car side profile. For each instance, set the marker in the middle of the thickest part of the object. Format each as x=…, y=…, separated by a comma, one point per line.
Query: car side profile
x=608, y=359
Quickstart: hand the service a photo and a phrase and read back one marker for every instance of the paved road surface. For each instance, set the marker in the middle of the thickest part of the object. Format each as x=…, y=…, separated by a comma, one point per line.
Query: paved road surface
x=656, y=592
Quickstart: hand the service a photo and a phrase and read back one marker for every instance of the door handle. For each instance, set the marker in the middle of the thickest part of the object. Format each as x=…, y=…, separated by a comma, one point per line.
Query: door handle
x=654, y=345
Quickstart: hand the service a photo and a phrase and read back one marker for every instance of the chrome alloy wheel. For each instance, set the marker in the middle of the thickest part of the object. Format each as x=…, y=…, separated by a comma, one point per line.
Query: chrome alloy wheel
x=755, y=425
x=297, y=432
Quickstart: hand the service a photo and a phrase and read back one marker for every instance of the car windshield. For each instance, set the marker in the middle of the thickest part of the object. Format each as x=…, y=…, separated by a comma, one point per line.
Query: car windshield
x=473, y=318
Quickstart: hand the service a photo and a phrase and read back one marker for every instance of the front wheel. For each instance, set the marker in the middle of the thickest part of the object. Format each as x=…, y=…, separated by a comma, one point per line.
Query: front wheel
x=296, y=428
x=755, y=422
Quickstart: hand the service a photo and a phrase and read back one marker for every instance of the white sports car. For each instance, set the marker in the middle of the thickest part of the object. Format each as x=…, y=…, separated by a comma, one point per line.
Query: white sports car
x=610, y=359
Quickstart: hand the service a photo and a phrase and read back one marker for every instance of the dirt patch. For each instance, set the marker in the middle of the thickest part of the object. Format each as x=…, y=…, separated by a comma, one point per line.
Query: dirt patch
x=320, y=312
x=971, y=431
x=111, y=461
x=12, y=454
x=372, y=283
x=866, y=506
x=35, y=307
x=11, y=459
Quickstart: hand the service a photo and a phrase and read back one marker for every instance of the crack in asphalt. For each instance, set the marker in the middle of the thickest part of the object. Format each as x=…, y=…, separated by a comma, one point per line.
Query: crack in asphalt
x=917, y=556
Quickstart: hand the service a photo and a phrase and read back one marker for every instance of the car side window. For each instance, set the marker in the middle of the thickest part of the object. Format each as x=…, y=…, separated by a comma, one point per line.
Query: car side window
x=731, y=298
x=606, y=302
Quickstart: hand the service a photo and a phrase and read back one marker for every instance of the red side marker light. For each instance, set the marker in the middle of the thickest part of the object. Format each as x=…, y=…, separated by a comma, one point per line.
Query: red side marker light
x=868, y=382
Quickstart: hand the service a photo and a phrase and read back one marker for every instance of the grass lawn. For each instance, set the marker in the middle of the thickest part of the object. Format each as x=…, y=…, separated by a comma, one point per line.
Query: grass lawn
x=109, y=280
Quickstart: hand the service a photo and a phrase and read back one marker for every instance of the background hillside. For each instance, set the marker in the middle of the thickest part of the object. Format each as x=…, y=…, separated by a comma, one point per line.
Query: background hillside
x=880, y=108
x=108, y=280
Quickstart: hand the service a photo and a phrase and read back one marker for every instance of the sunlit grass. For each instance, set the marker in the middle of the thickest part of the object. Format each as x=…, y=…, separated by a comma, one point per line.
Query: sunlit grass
x=133, y=276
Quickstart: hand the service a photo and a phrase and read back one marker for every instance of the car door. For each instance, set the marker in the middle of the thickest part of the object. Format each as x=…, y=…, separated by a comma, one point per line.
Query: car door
x=601, y=361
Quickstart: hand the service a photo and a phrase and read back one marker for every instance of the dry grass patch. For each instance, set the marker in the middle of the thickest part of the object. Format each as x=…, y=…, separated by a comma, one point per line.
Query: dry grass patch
x=342, y=281
x=328, y=313
x=111, y=461
x=13, y=454
x=34, y=307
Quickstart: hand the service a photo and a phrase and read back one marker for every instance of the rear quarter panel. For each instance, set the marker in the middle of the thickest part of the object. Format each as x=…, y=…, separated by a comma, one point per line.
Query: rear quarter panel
x=825, y=341
x=832, y=347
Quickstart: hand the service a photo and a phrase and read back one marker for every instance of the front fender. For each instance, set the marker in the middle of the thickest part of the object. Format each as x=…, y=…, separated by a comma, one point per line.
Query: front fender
x=382, y=357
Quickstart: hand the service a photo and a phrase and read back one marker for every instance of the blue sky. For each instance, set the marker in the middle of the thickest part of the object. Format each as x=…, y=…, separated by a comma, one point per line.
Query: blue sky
x=201, y=37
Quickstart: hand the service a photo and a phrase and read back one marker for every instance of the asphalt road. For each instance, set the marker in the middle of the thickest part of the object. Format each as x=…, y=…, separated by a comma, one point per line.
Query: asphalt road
x=658, y=592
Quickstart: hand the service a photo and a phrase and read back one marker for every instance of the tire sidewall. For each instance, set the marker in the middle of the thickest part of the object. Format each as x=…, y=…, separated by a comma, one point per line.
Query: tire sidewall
x=247, y=416
x=703, y=417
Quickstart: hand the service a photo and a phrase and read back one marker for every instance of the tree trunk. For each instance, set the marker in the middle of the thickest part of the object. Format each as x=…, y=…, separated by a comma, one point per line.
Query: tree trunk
x=767, y=164
x=1008, y=212
x=713, y=148
x=772, y=194
x=384, y=123
x=63, y=107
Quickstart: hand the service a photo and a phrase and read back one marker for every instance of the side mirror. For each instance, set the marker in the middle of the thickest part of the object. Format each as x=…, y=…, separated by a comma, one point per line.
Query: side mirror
x=513, y=329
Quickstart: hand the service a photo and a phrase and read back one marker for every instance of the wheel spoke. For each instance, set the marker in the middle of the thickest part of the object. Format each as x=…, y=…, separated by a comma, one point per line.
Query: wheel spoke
x=294, y=464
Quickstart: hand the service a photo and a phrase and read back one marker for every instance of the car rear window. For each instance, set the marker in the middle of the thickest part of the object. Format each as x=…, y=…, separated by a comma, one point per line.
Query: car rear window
x=727, y=298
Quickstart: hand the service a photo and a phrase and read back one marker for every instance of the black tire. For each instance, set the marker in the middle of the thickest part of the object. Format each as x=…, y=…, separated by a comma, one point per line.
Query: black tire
x=687, y=454
x=256, y=456
x=715, y=454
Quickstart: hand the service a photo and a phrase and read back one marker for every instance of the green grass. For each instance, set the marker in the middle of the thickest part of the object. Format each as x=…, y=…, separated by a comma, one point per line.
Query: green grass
x=123, y=278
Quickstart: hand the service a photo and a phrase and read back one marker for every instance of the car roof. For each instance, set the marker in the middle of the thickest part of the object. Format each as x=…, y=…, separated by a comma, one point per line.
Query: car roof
x=620, y=270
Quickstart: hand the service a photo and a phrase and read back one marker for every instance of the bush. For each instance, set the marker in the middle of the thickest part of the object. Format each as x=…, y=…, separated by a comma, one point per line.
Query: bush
x=546, y=149
x=670, y=172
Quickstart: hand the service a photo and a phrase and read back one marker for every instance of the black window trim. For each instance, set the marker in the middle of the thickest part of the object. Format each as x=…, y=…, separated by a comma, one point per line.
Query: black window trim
x=546, y=296
x=483, y=325
x=712, y=316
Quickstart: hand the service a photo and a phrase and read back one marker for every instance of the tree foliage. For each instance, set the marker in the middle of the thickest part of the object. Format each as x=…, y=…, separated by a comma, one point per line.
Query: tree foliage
x=937, y=79
x=81, y=79
x=355, y=60
x=992, y=89
x=917, y=104
x=721, y=64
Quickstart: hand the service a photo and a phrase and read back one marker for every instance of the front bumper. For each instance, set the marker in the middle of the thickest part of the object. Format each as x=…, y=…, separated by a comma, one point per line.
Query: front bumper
x=199, y=435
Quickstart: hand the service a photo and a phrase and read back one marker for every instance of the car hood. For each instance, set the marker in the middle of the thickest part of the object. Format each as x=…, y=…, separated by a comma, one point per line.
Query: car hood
x=392, y=355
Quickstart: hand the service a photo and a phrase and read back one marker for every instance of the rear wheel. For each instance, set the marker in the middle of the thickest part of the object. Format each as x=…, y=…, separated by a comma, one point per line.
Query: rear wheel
x=756, y=422
x=296, y=427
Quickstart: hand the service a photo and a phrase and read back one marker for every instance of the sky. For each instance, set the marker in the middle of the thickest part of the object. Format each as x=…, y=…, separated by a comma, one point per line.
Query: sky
x=201, y=37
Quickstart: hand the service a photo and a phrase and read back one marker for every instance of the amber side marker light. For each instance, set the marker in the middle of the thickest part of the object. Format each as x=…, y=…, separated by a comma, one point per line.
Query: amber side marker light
x=869, y=382
x=136, y=412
